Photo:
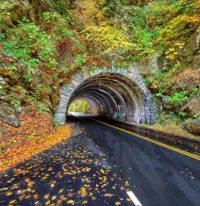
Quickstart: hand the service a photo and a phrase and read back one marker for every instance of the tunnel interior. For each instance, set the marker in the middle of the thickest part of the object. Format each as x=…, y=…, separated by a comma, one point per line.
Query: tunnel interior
x=114, y=96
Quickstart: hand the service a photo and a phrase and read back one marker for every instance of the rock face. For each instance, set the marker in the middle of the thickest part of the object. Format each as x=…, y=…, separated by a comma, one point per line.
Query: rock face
x=193, y=107
x=8, y=115
x=193, y=126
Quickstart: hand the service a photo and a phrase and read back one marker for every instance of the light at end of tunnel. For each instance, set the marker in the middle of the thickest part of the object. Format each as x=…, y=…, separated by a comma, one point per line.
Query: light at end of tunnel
x=81, y=107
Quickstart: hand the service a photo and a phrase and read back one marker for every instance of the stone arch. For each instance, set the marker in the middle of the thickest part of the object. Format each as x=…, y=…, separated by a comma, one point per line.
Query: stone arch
x=117, y=93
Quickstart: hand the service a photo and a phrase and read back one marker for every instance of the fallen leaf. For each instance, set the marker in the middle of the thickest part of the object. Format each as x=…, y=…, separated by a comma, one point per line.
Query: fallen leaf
x=60, y=191
x=8, y=193
x=84, y=202
x=36, y=196
x=62, y=197
x=102, y=171
x=48, y=202
x=46, y=196
x=70, y=202
x=108, y=195
x=126, y=184
x=113, y=187
x=12, y=201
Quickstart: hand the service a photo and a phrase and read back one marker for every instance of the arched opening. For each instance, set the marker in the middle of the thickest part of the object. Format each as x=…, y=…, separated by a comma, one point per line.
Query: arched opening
x=111, y=95
x=82, y=106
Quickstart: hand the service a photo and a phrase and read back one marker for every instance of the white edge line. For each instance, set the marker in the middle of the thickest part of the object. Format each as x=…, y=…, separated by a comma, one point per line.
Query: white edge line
x=134, y=198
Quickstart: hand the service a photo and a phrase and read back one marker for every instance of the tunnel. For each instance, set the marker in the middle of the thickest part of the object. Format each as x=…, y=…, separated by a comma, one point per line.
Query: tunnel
x=111, y=95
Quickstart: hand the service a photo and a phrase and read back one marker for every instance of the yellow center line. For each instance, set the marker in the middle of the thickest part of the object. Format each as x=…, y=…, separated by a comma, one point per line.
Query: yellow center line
x=197, y=157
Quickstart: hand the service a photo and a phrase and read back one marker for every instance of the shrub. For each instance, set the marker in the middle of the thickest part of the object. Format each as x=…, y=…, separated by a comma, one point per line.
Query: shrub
x=178, y=97
x=15, y=103
x=107, y=39
x=30, y=45
x=54, y=23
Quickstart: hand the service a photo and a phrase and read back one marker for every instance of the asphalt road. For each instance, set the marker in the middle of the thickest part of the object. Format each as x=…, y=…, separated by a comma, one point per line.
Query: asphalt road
x=103, y=166
x=157, y=175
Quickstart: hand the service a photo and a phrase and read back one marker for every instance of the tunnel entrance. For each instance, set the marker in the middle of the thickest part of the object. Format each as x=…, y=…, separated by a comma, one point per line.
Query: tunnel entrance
x=112, y=95
x=82, y=106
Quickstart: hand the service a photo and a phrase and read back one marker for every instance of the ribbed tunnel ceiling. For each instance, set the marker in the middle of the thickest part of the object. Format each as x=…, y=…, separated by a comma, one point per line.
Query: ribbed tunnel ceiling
x=114, y=96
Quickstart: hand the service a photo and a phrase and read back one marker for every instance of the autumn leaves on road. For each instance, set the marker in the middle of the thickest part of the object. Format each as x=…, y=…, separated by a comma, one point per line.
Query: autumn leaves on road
x=41, y=165
x=69, y=173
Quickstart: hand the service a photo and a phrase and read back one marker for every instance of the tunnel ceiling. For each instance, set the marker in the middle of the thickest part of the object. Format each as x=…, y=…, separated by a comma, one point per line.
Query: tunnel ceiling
x=112, y=95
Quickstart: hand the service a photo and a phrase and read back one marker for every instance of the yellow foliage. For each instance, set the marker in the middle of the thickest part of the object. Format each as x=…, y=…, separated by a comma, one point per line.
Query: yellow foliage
x=5, y=7
x=107, y=39
x=162, y=9
x=173, y=52
x=79, y=106
x=178, y=27
x=180, y=45
x=89, y=13
x=197, y=4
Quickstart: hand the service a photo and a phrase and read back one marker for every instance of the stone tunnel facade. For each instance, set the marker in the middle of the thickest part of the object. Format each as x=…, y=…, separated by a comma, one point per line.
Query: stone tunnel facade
x=116, y=93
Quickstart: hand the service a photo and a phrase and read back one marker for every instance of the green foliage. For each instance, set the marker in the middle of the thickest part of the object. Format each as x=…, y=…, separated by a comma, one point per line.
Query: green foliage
x=182, y=114
x=178, y=97
x=163, y=11
x=57, y=24
x=143, y=42
x=20, y=89
x=143, y=35
x=30, y=100
x=79, y=60
x=162, y=24
x=196, y=116
x=60, y=6
x=111, y=7
x=26, y=78
x=2, y=36
x=15, y=103
x=30, y=45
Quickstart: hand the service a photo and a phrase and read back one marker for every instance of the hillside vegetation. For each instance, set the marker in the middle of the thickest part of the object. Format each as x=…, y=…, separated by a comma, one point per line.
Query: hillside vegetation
x=44, y=42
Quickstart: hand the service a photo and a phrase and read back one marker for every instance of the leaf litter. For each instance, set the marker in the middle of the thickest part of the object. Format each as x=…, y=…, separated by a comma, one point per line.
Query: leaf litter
x=69, y=173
